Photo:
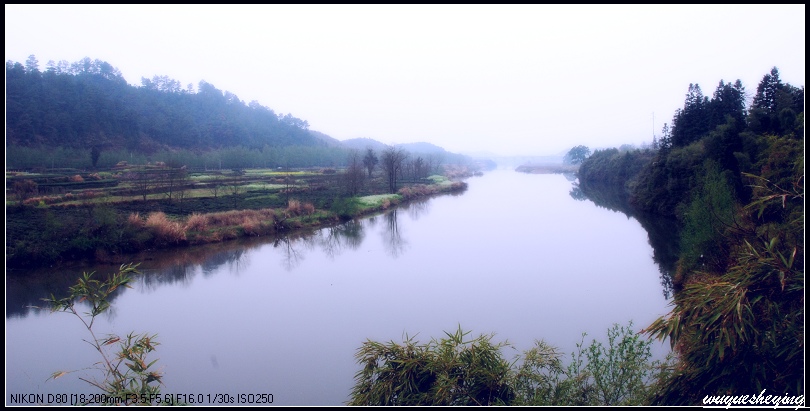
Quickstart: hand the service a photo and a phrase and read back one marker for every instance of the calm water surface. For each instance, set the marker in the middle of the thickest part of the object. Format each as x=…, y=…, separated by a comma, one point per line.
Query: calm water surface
x=514, y=255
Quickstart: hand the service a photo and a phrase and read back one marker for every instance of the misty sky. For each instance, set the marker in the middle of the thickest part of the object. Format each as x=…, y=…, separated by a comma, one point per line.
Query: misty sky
x=511, y=80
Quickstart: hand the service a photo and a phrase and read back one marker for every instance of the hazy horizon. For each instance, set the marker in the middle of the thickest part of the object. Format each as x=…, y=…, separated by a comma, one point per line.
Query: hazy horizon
x=507, y=79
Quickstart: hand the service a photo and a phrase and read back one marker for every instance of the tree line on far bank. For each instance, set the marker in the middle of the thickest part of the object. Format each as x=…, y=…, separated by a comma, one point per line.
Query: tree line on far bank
x=733, y=178
x=89, y=104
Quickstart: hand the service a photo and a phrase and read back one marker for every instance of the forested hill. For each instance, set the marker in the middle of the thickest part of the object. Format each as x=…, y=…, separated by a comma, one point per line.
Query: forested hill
x=733, y=178
x=765, y=139
x=89, y=104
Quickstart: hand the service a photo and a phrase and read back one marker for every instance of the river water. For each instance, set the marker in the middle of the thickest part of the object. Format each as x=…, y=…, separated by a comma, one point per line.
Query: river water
x=514, y=255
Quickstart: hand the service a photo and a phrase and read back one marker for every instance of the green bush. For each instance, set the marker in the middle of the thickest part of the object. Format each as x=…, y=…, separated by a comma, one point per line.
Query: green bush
x=708, y=219
x=345, y=208
x=741, y=330
x=458, y=370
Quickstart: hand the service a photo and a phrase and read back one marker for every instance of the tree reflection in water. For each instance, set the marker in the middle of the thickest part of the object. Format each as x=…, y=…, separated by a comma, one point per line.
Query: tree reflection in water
x=291, y=256
x=333, y=239
x=394, y=243
x=662, y=233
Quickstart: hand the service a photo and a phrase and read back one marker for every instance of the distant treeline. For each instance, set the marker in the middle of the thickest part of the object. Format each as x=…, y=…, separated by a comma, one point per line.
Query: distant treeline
x=85, y=114
x=765, y=139
x=228, y=158
x=89, y=104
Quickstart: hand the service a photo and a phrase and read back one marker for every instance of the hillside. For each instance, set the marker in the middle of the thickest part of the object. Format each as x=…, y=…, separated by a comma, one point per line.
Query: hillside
x=364, y=143
x=87, y=106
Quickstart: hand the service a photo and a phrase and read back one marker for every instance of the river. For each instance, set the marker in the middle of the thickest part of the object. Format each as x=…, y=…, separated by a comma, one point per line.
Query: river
x=514, y=255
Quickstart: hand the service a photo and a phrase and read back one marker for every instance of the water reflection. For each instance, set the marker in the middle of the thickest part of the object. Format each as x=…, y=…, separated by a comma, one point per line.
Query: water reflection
x=577, y=194
x=291, y=255
x=393, y=240
x=266, y=329
x=236, y=259
x=663, y=233
x=181, y=266
x=164, y=267
x=418, y=208
x=334, y=239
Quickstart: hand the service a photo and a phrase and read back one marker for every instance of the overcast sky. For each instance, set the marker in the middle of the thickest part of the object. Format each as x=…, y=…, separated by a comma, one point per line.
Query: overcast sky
x=511, y=80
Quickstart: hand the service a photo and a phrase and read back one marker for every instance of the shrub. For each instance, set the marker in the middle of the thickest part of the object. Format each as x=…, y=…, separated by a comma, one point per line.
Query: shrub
x=345, y=208
x=457, y=370
x=742, y=329
x=707, y=220
x=135, y=220
x=451, y=371
x=294, y=208
x=197, y=222
x=128, y=378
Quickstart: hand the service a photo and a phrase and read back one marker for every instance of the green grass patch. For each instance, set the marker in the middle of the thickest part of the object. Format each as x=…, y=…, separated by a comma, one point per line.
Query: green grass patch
x=206, y=177
x=437, y=179
x=277, y=173
x=262, y=187
x=377, y=200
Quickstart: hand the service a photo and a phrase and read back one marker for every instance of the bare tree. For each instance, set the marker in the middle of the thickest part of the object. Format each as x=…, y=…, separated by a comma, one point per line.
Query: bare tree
x=174, y=180
x=392, y=160
x=370, y=161
x=434, y=163
x=214, y=185
x=354, y=174
x=143, y=180
x=420, y=169
x=235, y=190
x=184, y=184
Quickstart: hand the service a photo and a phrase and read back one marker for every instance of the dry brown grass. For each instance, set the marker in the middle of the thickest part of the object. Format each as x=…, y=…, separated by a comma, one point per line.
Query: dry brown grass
x=419, y=190
x=252, y=226
x=36, y=200
x=135, y=220
x=229, y=233
x=197, y=222
x=294, y=208
x=222, y=226
x=297, y=208
x=165, y=230
x=238, y=217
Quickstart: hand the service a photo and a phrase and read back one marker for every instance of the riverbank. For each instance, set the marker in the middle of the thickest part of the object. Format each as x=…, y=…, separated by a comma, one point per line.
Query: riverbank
x=547, y=168
x=108, y=231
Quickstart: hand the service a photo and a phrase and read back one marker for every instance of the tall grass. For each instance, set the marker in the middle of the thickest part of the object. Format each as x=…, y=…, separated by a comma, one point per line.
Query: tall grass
x=296, y=208
x=135, y=220
x=166, y=231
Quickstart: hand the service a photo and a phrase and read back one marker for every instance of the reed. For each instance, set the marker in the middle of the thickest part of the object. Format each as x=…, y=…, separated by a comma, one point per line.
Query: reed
x=165, y=230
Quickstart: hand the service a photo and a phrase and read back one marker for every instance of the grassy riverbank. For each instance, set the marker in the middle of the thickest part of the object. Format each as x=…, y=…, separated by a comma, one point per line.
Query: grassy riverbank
x=74, y=222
